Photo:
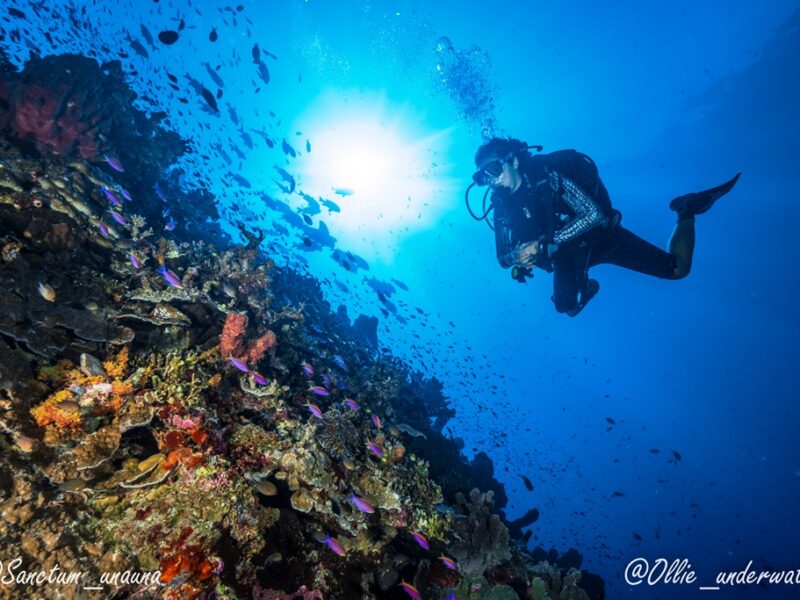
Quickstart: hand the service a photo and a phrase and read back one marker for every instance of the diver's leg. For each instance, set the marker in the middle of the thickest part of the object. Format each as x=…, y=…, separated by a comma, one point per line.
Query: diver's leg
x=568, y=279
x=624, y=248
x=681, y=246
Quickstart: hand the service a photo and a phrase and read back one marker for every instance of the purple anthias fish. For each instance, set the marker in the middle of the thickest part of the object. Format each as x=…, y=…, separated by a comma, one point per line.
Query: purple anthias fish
x=110, y=196
x=449, y=562
x=170, y=226
x=118, y=218
x=352, y=404
x=340, y=362
x=326, y=381
x=376, y=420
x=308, y=370
x=134, y=260
x=103, y=229
x=239, y=364
x=319, y=391
x=114, y=163
x=420, y=539
x=361, y=504
x=169, y=276
x=335, y=545
x=259, y=379
x=126, y=194
x=315, y=410
x=411, y=590
x=375, y=449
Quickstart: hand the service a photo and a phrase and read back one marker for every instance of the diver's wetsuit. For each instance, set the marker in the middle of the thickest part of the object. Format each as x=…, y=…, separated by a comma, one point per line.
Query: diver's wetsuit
x=564, y=205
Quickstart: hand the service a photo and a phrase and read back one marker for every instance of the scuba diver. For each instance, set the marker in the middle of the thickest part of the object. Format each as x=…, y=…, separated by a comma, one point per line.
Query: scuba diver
x=553, y=212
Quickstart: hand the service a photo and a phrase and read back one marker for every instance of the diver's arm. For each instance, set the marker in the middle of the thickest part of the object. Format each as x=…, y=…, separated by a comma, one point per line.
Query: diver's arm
x=588, y=214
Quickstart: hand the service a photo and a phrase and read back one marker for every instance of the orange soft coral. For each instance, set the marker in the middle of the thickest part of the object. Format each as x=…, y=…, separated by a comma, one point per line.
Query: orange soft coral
x=52, y=412
x=118, y=365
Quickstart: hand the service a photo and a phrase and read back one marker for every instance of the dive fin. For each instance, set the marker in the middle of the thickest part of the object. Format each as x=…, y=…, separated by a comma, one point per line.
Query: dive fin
x=697, y=203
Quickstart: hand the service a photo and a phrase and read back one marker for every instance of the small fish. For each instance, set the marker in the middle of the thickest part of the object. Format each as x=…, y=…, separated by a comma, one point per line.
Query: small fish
x=126, y=194
x=265, y=488
x=170, y=277
x=260, y=379
x=72, y=485
x=352, y=404
x=103, y=229
x=410, y=590
x=46, y=292
x=114, y=163
x=275, y=557
x=159, y=192
x=68, y=406
x=170, y=226
x=451, y=595
x=334, y=545
x=315, y=410
x=361, y=504
x=210, y=100
x=376, y=420
x=239, y=364
x=375, y=448
x=110, y=196
x=339, y=361
x=24, y=443
x=343, y=191
x=229, y=291
x=449, y=562
x=308, y=370
x=118, y=218
x=527, y=482
x=134, y=260
x=168, y=37
x=420, y=539
x=319, y=391
x=327, y=382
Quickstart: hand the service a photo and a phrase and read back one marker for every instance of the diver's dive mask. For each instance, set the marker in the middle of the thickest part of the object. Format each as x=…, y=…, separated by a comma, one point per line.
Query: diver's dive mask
x=491, y=170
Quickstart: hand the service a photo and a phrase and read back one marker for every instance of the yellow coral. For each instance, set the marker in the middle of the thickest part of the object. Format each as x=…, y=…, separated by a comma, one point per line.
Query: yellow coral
x=117, y=366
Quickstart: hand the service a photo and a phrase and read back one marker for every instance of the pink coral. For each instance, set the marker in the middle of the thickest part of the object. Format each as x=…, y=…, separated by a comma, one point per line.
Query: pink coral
x=260, y=346
x=61, y=105
x=231, y=342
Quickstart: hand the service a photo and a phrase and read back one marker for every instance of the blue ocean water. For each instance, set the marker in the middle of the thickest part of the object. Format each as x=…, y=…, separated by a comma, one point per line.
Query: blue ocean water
x=660, y=422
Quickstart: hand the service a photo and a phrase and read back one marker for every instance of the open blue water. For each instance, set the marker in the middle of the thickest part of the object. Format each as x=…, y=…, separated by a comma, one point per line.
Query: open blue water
x=388, y=100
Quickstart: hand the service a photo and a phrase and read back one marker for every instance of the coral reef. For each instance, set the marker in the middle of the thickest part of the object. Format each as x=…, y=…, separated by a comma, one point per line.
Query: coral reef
x=175, y=407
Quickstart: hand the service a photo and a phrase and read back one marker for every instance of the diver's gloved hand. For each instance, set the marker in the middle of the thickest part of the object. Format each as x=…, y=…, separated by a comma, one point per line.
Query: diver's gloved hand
x=525, y=254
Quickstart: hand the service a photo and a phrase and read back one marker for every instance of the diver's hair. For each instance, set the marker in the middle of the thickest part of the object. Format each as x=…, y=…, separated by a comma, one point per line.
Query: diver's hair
x=499, y=148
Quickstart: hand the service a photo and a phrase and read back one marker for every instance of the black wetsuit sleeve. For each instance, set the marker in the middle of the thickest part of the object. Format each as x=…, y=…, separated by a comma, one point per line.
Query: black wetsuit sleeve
x=503, y=239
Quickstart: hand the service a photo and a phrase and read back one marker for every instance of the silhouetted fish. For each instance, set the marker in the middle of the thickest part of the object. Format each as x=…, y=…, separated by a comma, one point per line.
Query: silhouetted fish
x=209, y=98
x=168, y=37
